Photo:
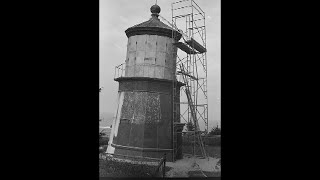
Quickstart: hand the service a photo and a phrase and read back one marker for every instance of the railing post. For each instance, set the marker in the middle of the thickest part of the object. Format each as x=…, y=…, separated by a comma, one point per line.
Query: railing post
x=121, y=70
x=122, y=74
x=164, y=165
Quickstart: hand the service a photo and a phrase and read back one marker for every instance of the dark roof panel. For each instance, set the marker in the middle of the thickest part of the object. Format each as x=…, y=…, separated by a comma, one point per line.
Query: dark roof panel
x=153, y=27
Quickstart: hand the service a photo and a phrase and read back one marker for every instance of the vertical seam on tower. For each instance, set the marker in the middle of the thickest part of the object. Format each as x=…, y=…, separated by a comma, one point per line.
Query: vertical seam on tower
x=131, y=122
x=159, y=119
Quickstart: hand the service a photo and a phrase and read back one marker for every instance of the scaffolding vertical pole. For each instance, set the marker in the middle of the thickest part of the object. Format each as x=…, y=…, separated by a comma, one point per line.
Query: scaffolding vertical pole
x=205, y=69
x=173, y=108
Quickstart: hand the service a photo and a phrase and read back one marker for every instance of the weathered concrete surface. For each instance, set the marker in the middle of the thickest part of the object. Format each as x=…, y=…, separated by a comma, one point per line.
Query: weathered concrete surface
x=143, y=123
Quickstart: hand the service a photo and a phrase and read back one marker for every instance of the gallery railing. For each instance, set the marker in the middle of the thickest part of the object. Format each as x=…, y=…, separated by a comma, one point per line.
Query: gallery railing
x=119, y=71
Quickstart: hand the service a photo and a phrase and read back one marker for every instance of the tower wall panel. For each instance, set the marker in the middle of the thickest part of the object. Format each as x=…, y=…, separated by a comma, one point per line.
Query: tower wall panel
x=132, y=43
x=138, y=71
x=151, y=43
x=141, y=42
x=154, y=53
x=140, y=55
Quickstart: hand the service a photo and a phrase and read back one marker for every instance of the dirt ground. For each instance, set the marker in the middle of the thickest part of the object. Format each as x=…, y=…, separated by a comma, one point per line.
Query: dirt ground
x=191, y=166
x=194, y=167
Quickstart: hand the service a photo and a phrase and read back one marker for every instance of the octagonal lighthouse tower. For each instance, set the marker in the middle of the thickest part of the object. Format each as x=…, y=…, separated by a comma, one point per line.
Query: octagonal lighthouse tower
x=146, y=122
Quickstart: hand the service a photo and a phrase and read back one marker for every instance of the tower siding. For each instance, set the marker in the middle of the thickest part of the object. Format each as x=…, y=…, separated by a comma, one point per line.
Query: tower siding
x=150, y=56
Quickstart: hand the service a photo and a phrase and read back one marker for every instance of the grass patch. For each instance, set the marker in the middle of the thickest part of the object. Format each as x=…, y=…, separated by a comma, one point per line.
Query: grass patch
x=103, y=141
x=117, y=168
x=212, y=151
x=212, y=174
x=207, y=173
x=195, y=174
x=209, y=140
x=103, y=149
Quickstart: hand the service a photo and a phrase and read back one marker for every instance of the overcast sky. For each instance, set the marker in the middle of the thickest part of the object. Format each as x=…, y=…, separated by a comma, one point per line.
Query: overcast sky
x=118, y=15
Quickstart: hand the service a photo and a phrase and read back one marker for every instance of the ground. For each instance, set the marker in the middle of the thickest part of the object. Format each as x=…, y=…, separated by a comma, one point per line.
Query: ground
x=194, y=167
x=212, y=151
x=189, y=166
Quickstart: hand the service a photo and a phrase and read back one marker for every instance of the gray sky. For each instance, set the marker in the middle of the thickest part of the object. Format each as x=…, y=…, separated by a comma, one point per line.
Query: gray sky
x=118, y=15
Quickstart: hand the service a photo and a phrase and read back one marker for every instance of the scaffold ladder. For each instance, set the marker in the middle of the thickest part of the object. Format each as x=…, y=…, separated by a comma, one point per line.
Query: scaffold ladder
x=174, y=116
x=193, y=111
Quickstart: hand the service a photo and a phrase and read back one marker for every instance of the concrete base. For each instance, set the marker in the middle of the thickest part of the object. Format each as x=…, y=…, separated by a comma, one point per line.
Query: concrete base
x=145, y=153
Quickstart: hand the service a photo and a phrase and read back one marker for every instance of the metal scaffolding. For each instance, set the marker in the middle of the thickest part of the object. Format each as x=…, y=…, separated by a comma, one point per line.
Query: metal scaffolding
x=191, y=70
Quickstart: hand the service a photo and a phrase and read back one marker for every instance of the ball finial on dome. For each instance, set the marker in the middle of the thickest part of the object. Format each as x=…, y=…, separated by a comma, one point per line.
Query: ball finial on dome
x=155, y=9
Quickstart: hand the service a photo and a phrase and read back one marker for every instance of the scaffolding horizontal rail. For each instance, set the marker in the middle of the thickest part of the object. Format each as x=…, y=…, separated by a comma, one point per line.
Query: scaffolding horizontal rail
x=197, y=19
x=182, y=7
x=193, y=105
x=179, y=16
x=181, y=72
x=179, y=1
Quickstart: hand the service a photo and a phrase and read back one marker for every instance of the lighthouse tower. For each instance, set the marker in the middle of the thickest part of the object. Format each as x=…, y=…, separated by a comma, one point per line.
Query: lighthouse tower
x=147, y=116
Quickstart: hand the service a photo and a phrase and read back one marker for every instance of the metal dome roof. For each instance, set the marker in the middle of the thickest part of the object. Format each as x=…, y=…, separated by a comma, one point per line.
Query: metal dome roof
x=153, y=27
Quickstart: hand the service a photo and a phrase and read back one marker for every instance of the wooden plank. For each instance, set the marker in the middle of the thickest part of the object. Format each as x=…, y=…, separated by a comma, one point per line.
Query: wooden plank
x=184, y=48
x=194, y=44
